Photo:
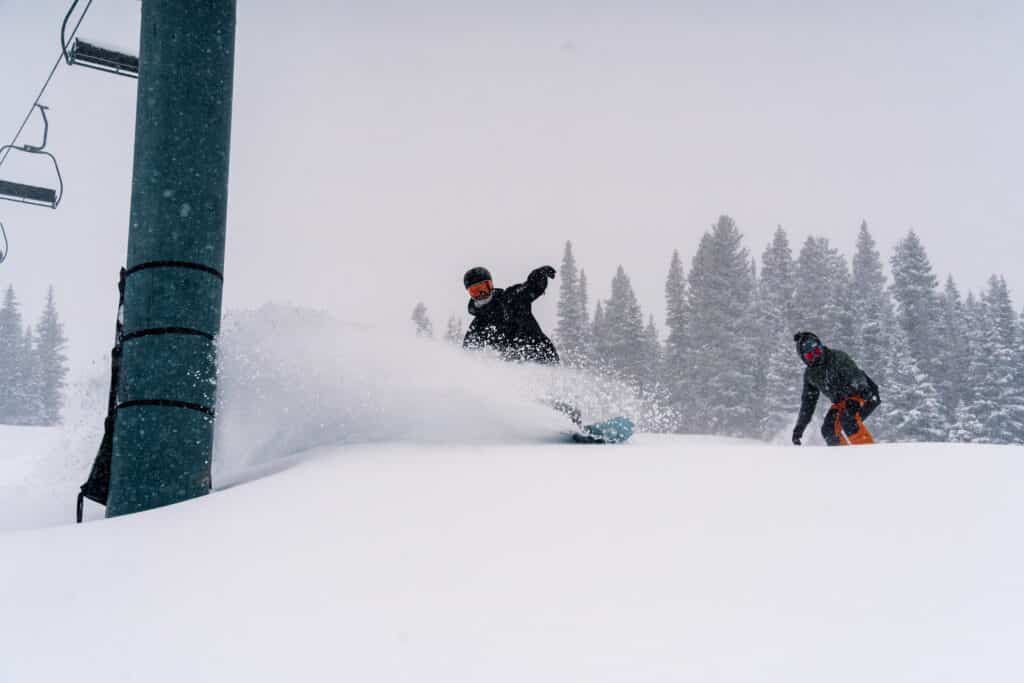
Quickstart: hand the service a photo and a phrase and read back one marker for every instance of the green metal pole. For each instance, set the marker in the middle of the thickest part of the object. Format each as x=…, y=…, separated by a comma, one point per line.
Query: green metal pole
x=163, y=435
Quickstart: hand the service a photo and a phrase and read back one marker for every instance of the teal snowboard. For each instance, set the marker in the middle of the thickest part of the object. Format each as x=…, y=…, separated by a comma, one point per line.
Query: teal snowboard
x=615, y=430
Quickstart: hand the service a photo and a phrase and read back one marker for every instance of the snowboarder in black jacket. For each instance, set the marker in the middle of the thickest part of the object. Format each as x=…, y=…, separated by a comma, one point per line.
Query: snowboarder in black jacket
x=503, y=319
x=853, y=394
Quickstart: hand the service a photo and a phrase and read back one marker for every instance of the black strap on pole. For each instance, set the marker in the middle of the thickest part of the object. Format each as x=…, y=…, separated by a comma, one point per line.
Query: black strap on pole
x=97, y=486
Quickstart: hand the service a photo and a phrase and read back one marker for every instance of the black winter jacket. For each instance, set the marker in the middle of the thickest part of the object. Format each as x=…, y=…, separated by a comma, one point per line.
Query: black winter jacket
x=838, y=377
x=506, y=323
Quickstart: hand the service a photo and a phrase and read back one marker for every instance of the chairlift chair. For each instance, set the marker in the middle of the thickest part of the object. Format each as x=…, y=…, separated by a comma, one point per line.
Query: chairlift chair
x=93, y=56
x=32, y=194
x=103, y=59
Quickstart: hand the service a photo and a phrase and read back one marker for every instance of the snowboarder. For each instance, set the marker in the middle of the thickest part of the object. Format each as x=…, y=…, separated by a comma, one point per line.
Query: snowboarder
x=854, y=396
x=503, y=319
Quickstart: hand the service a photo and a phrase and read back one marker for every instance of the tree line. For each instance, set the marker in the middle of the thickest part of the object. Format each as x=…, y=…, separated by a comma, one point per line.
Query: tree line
x=950, y=368
x=33, y=366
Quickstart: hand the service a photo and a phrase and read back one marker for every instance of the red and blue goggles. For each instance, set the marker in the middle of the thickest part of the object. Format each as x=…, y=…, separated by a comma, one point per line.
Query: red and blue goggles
x=811, y=351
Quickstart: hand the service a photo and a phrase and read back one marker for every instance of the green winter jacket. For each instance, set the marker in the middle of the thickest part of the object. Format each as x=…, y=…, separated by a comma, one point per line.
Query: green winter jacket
x=838, y=377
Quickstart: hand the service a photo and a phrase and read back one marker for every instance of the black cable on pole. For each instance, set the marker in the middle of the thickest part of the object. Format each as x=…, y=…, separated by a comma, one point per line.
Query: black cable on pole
x=46, y=84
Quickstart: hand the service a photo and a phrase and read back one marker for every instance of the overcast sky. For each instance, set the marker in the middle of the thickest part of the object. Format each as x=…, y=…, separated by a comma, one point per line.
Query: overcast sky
x=381, y=148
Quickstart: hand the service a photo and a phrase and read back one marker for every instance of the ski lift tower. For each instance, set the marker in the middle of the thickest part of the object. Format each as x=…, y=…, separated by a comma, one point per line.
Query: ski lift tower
x=163, y=440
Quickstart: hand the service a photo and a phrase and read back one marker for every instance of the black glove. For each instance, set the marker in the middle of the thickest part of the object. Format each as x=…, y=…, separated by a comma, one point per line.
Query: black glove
x=797, y=433
x=547, y=271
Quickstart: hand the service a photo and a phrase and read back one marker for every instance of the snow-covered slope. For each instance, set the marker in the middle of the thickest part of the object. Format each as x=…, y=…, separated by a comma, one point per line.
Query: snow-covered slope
x=391, y=510
x=670, y=559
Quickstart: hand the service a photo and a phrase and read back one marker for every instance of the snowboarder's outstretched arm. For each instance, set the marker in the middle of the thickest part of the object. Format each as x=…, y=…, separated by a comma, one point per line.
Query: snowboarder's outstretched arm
x=871, y=398
x=808, y=400
x=536, y=284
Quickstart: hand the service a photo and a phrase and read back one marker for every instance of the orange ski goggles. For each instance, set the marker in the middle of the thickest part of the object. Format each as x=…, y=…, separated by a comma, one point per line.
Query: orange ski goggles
x=480, y=290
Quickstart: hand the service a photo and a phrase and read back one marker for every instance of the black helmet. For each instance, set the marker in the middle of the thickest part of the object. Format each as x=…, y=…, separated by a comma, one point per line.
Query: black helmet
x=475, y=275
x=808, y=346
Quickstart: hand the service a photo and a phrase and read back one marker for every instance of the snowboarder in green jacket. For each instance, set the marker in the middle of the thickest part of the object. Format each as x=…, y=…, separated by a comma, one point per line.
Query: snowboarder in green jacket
x=853, y=394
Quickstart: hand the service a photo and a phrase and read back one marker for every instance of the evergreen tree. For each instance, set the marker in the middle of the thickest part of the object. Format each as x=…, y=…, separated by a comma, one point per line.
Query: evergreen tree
x=32, y=410
x=873, y=323
x=754, y=333
x=823, y=294
x=597, y=333
x=622, y=342
x=783, y=376
x=12, y=359
x=586, y=331
x=952, y=357
x=965, y=427
x=722, y=378
x=1005, y=424
x=675, y=309
x=651, y=362
x=997, y=299
x=914, y=411
x=675, y=352
x=52, y=362
x=845, y=302
x=424, y=328
x=975, y=403
x=570, y=330
x=915, y=290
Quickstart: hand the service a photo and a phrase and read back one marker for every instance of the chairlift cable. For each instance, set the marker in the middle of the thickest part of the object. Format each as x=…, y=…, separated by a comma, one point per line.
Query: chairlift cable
x=49, y=78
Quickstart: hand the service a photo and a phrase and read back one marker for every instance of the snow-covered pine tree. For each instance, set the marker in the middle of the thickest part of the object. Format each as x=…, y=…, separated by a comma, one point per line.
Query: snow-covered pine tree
x=571, y=311
x=782, y=370
x=976, y=402
x=424, y=328
x=586, y=332
x=823, y=293
x=965, y=427
x=912, y=409
x=915, y=289
x=759, y=363
x=1019, y=349
x=622, y=344
x=651, y=384
x=676, y=351
x=1004, y=377
x=595, y=357
x=12, y=359
x=845, y=302
x=997, y=298
x=951, y=356
x=874, y=319
x=52, y=362
x=32, y=411
x=981, y=403
x=820, y=303
x=721, y=371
